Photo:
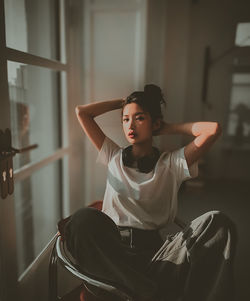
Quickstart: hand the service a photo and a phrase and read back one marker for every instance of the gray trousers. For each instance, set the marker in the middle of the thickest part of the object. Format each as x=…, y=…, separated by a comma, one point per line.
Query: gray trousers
x=194, y=264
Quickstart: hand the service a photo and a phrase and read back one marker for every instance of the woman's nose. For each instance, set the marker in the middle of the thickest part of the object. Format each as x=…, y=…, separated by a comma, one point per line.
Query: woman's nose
x=131, y=124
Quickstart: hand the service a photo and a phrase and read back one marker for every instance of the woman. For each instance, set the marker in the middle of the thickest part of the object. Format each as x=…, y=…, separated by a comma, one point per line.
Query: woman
x=122, y=243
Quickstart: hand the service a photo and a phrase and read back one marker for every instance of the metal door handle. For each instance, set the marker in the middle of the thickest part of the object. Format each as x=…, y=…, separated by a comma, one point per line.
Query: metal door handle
x=7, y=152
x=25, y=149
x=13, y=151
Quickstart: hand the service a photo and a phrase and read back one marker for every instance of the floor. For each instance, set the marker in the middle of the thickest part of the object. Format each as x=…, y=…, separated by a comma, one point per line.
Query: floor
x=233, y=198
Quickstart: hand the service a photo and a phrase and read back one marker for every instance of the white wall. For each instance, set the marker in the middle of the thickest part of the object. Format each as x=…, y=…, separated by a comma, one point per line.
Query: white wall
x=213, y=23
x=175, y=65
x=114, y=63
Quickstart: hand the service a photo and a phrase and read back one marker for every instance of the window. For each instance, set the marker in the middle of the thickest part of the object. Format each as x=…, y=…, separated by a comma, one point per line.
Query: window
x=33, y=57
x=239, y=113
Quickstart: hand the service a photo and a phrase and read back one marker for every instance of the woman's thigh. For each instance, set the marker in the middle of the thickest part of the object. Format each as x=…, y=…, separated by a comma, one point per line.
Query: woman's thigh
x=192, y=259
x=95, y=242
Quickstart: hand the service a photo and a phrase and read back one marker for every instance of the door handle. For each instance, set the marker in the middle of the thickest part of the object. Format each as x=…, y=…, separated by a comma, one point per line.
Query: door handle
x=13, y=151
x=7, y=152
x=25, y=149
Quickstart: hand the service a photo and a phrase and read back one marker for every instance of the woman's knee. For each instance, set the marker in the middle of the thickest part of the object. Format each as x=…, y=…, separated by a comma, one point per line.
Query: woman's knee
x=86, y=216
x=216, y=221
x=214, y=216
x=219, y=218
x=224, y=222
x=90, y=220
x=212, y=230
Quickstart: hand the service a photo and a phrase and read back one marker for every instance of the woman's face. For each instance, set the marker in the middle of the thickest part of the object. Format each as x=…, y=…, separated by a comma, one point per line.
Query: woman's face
x=137, y=124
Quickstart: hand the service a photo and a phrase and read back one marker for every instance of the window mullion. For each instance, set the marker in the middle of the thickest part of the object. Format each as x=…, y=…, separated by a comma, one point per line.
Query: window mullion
x=30, y=59
x=30, y=168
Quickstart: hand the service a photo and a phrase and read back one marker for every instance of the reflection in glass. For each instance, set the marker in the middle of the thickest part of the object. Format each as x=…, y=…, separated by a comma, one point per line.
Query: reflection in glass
x=37, y=207
x=31, y=26
x=239, y=115
x=34, y=99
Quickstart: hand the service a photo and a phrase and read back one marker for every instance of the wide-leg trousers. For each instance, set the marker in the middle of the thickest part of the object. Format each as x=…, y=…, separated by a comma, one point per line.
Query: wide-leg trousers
x=194, y=264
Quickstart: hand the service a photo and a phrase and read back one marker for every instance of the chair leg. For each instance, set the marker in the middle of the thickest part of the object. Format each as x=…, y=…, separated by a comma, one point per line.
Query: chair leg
x=53, y=296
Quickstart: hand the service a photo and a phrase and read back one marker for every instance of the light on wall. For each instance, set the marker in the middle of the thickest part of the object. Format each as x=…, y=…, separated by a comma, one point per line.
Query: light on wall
x=242, y=39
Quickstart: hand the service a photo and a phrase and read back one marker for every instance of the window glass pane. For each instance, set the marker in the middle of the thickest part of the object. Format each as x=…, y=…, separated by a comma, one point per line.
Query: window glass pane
x=242, y=37
x=31, y=26
x=37, y=208
x=35, y=110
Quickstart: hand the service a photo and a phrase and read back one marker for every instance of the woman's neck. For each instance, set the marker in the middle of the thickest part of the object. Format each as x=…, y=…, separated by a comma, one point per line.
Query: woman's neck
x=142, y=149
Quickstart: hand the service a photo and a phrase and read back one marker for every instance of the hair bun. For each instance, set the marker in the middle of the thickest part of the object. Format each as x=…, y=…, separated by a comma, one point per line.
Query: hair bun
x=153, y=92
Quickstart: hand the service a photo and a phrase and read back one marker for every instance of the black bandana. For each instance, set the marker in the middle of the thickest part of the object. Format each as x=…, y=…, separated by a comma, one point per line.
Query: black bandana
x=144, y=164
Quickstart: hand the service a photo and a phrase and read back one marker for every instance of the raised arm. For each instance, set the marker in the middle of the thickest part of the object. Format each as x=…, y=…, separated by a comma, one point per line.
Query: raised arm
x=87, y=113
x=206, y=134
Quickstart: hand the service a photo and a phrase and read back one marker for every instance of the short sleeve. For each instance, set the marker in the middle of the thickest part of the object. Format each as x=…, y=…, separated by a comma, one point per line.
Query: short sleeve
x=180, y=168
x=108, y=150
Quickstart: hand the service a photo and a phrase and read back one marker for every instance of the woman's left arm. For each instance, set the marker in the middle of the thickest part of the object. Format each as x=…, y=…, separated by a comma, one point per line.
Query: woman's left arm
x=206, y=133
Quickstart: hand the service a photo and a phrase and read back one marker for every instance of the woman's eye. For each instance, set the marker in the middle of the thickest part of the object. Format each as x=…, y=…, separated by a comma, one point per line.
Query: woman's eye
x=140, y=118
x=125, y=120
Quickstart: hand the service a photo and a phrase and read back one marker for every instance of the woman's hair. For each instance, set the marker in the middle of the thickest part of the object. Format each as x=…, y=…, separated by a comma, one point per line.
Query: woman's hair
x=149, y=100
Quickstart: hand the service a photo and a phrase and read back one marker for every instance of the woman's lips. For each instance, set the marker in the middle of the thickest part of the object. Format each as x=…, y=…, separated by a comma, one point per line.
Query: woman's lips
x=132, y=135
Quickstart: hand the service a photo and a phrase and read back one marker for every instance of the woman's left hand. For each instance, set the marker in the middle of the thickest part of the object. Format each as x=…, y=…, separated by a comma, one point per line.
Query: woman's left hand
x=162, y=128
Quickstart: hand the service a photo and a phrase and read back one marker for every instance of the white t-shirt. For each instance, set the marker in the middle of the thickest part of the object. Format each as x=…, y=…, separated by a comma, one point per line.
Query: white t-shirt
x=143, y=200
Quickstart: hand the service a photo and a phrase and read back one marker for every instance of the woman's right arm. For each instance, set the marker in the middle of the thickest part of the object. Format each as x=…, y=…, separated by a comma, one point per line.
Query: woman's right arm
x=86, y=115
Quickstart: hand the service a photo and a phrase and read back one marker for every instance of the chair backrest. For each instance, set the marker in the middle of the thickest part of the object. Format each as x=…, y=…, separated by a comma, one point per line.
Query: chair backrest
x=97, y=205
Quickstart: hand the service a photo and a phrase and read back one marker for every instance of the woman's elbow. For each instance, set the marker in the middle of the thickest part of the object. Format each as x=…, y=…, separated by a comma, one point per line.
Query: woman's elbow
x=77, y=110
x=80, y=111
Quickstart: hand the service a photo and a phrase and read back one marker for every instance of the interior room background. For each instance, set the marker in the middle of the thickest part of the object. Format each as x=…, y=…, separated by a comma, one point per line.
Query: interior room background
x=58, y=54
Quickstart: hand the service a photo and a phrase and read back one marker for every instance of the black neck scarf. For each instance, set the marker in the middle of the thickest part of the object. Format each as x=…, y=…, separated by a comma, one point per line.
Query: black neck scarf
x=144, y=164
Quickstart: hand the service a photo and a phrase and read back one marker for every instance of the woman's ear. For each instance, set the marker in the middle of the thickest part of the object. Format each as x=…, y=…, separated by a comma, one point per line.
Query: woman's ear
x=157, y=124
